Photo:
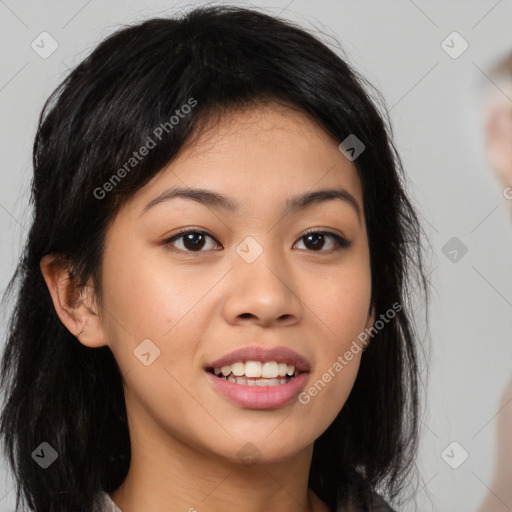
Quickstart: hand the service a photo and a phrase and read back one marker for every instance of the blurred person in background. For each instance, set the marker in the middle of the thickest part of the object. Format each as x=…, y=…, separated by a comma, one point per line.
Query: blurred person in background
x=498, y=144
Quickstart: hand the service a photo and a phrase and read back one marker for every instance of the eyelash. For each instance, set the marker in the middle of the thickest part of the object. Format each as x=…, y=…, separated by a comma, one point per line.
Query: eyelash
x=342, y=243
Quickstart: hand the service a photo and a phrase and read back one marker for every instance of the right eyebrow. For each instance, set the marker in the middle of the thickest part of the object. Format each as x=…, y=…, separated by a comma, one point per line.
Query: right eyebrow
x=292, y=205
x=207, y=197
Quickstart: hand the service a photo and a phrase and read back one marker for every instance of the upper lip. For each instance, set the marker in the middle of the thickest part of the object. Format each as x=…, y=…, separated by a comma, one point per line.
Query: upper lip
x=255, y=353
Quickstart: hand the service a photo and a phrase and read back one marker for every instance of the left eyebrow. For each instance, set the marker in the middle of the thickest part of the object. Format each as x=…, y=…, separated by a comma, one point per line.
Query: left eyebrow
x=303, y=201
x=292, y=205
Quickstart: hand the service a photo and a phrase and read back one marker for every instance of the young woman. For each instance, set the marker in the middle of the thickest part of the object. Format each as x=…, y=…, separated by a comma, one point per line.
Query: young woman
x=212, y=310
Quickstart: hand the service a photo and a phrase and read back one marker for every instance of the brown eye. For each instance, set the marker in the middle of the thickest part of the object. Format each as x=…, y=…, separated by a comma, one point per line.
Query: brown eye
x=191, y=240
x=316, y=241
x=196, y=240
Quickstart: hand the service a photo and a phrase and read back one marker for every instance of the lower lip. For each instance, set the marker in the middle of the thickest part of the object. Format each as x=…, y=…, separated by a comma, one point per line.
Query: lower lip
x=260, y=397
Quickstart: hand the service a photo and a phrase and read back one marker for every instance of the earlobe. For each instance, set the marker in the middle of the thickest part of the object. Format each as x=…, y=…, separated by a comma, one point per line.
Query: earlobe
x=73, y=304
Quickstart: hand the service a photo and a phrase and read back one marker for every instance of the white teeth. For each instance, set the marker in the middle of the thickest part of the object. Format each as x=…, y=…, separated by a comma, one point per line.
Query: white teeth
x=282, y=368
x=258, y=382
x=256, y=369
x=238, y=369
x=270, y=370
x=252, y=369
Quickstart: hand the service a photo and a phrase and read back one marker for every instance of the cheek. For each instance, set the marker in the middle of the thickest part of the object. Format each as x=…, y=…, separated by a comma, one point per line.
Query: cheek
x=341, y=302
x=152, y=318
x=147, y=301
x=344, y=307
x=146, y=295
x=151, y=299
x=341, y=306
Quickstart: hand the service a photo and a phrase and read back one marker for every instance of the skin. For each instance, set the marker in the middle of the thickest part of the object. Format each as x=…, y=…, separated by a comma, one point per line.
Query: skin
x=197, y=306
x=498, y=135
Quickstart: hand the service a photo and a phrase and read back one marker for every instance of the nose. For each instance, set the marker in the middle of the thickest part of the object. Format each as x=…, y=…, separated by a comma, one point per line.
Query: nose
x=263, y=292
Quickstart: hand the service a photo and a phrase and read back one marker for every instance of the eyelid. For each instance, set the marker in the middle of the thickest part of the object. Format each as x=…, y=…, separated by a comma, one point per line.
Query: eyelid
x=326, y=231
x=341, y=241
x=183, y=231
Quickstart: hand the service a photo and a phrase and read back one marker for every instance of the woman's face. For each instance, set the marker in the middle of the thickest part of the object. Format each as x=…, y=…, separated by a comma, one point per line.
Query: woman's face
x=255, y=280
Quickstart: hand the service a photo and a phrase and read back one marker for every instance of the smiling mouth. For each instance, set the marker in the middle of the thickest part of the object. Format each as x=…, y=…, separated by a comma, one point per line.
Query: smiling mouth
x=256, y=373
x=254, y=378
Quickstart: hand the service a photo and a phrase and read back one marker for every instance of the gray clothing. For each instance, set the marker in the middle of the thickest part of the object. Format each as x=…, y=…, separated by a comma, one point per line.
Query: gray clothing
x=107, y=505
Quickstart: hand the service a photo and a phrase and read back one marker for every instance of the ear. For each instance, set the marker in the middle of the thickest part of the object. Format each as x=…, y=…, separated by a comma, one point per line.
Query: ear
x=75, y=305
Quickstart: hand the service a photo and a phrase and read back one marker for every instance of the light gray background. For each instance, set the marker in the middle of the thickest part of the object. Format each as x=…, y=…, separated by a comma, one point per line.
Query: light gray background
x=433, y=106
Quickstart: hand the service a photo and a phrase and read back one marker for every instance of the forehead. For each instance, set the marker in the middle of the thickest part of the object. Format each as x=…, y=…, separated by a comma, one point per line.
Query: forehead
x=259, y=155
x=260, y=134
